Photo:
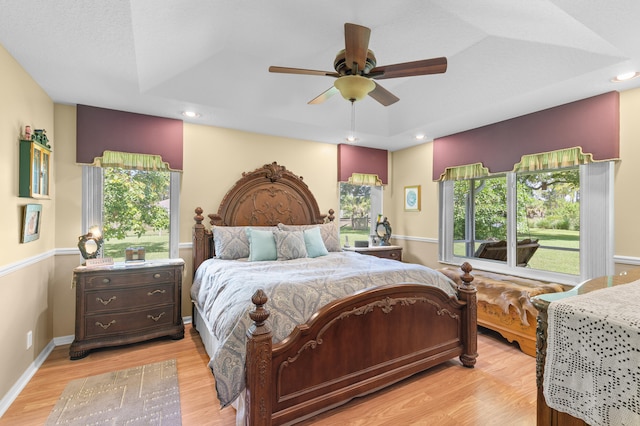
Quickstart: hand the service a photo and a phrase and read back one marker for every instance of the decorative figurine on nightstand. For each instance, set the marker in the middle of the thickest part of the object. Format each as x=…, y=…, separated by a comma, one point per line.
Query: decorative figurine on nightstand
x=383, y=230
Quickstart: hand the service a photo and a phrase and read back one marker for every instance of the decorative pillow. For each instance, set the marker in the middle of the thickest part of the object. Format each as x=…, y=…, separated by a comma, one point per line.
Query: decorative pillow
x=329, y=232
x=290, y=244
x=262, y=245
x=230, y=242
x=313, y=242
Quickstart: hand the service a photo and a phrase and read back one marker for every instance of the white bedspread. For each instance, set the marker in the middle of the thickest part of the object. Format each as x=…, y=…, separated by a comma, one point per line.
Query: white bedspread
x=592, y=369
x=222, y=290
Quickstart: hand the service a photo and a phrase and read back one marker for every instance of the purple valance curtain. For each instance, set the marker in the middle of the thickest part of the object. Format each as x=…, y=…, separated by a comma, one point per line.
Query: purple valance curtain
x=359, y=160
x=592, y=124
x=100, y=130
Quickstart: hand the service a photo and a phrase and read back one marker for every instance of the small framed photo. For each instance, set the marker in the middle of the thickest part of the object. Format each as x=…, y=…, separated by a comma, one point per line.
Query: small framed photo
x=412, y=198
x=31, y=222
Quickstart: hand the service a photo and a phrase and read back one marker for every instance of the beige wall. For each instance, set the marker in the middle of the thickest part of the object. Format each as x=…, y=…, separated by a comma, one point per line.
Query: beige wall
x=627, y=178
x=26, y=270
x=214, y=159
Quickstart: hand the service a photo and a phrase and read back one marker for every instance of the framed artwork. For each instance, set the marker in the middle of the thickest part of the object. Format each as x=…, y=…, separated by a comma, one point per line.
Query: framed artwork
x=412, y=198
x=31, y=222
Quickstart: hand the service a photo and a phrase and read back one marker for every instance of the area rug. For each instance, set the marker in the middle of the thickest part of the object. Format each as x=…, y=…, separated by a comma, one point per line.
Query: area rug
x=143, y=395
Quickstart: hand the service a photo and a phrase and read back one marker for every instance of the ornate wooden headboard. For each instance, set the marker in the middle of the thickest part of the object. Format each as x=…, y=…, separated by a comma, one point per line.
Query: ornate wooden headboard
x=266, y=196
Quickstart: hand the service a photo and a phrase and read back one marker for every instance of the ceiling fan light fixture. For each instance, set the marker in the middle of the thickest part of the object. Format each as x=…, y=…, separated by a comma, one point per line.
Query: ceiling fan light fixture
x=354, y=87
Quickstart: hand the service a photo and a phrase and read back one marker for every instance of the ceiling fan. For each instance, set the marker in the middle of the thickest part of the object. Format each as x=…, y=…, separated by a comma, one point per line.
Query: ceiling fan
x=355, y=70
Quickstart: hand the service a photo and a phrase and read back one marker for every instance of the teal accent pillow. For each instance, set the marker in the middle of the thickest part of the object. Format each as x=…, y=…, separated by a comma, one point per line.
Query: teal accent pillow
x=262, y=245
x=314, y=243
x=329, y=231
x=290, y=245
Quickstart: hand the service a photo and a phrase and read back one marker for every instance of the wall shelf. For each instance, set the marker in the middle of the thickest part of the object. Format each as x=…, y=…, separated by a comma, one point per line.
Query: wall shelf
x=35, y=166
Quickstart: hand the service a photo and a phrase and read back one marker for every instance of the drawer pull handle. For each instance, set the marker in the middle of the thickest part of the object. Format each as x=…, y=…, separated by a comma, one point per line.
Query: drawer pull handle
x=156, y=275
x=106, y=280
x=151, y=293
x=155, y=318
x=106, y=302
x=105, y=326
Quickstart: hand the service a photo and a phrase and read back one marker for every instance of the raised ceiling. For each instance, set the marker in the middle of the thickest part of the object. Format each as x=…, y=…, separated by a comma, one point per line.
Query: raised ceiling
x=505, y=58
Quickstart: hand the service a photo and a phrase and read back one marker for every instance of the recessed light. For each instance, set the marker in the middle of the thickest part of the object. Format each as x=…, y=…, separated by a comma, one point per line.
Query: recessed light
x=625, y=76
x=420, y=136
x=190, y=114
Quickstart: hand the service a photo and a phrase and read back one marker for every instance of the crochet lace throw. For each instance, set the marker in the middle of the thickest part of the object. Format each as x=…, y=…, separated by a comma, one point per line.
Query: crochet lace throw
x=592, y=369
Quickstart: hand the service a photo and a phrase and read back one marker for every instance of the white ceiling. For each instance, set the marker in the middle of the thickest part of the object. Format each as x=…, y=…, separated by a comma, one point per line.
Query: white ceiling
x=160, y=57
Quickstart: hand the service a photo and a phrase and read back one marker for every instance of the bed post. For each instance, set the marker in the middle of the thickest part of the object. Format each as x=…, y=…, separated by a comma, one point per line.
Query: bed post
x=200, y=250
x=467, y=293
x=258, y=365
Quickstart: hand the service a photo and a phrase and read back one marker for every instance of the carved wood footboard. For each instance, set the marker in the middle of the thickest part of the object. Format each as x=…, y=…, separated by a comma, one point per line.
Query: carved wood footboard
x=355, y=346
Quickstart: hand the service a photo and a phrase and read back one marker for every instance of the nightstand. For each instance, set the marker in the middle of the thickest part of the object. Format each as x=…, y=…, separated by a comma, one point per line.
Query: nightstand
x=127, y=303
x=385, y=252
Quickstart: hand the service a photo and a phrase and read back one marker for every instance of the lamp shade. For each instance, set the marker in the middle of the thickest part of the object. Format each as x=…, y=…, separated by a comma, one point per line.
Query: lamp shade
x=354, y=87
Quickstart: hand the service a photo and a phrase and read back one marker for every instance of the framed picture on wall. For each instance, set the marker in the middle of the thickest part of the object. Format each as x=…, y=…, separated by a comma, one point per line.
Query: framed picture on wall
x=31, y=220
x=412, y=198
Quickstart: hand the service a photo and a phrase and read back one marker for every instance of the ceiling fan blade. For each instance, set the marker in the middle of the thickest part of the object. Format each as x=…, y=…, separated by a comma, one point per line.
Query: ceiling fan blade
x=286, y=70
x=356, y=41
x=323, y=96
x=407, y=69
x=383, y=96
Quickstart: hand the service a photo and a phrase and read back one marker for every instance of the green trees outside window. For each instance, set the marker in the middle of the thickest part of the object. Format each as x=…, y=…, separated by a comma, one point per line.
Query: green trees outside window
x=136, y=212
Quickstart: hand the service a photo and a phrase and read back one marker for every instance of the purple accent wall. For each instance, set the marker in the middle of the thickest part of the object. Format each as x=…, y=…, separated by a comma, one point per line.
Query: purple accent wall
x=359, y=159
x=100, y=129
x=592, y=123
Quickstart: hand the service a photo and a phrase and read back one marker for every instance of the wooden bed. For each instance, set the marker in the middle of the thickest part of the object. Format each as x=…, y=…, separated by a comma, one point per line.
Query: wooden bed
x=350, y=347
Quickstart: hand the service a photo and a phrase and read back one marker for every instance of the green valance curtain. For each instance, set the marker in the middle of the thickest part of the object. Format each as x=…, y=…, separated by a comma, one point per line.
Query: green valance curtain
x=553, y=160
x=528, y=163
x=465, y=172
x=127, y=160
x=364, y=179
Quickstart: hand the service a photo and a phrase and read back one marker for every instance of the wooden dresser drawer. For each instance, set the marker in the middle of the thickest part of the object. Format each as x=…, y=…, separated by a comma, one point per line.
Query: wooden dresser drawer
x=123, y=322
x=388, y=254
x=385, y=252
x=124, y=276
x=127, y=298
x=123, y=304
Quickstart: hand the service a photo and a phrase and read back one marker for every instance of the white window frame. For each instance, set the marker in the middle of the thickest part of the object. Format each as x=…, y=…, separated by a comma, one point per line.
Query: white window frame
x=596, y=228
x=92, y=199
x=376, y=197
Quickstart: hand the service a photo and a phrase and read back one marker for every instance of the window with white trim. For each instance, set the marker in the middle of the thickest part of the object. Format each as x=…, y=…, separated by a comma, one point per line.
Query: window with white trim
x=492, y=222
x=159, y=242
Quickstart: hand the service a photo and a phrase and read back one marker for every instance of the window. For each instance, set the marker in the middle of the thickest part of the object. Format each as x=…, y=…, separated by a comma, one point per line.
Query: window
x=542, y=221
x=133, y=208
x=360, y=206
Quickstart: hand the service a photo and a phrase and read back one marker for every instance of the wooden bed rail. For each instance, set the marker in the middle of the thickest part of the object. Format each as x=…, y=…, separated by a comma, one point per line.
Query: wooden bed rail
x=273, y=371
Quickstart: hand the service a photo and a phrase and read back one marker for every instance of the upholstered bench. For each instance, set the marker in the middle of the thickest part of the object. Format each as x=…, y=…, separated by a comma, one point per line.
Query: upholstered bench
x=504, y=304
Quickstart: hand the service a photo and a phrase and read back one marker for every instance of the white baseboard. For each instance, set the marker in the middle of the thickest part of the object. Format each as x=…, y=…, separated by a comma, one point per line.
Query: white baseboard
x=15, y=390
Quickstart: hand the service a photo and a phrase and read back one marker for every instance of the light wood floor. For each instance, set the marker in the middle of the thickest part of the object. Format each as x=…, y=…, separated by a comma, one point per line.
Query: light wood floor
x=500, y=390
